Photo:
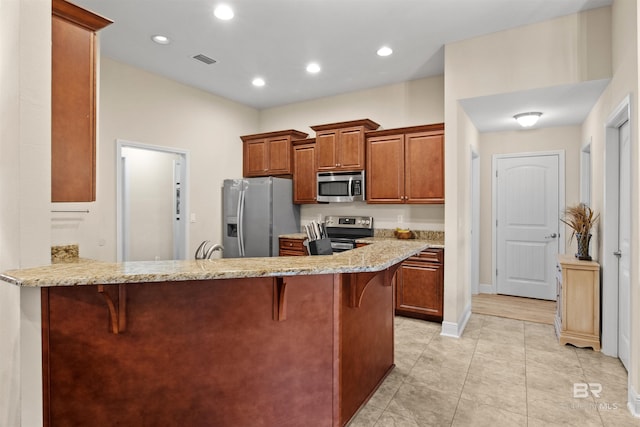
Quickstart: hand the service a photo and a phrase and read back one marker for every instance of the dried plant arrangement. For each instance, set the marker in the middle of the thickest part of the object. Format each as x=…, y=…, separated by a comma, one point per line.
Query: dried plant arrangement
x=581, y=218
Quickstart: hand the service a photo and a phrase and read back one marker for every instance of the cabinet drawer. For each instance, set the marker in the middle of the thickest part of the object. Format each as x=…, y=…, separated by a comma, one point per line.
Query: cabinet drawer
x=429, y=255
x=292, y=247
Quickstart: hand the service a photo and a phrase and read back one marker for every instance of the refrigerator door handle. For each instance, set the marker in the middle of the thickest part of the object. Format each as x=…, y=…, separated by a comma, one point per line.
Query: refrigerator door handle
x=241, y=221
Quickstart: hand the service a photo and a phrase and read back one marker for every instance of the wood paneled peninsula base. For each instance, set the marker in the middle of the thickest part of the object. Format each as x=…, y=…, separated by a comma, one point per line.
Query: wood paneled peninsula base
x=282, y=350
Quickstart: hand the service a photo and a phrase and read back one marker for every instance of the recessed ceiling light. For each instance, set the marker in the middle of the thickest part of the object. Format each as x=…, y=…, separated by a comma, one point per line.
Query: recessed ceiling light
x=160, y=39
x=385, y=51
x=258, y=81
x=223, y=12
x=313, y=67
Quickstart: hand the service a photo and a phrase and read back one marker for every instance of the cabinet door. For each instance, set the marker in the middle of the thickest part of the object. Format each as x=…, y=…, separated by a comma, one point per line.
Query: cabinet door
x=255, y=157
x=73, y=154
x=304, y=174
x=326, y=150
x=424, y=168
x=350, y=152
x=419, y=290
x=385, y=169
x=279, y=156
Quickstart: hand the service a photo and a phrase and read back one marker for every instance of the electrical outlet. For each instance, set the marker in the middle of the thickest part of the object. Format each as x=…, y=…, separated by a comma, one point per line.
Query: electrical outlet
x=400, y=219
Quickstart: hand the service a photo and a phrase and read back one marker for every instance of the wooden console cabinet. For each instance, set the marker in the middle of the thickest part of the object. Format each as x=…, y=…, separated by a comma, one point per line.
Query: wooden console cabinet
x=420, y=286
x=340, y=146
x=578, y=302
x=268, y=154
x=73, y=102
x=406, y=165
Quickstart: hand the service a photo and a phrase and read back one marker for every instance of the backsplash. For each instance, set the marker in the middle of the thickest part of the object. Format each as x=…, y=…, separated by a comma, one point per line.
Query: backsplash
x=418, y=234
x=64, y=253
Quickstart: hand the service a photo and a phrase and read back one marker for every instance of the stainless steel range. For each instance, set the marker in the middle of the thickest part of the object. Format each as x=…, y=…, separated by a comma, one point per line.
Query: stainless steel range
x=344, y=230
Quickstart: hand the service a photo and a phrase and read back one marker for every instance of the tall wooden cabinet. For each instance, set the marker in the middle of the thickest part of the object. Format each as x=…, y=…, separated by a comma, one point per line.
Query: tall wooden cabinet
x=406, y=165
x=578, y=302
x=340, y=146
x=73, y=111
x=420, y=286
x=269, y=154
x=304, y=171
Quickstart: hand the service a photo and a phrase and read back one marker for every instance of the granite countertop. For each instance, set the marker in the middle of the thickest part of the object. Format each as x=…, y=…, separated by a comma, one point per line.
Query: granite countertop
x=381, y=254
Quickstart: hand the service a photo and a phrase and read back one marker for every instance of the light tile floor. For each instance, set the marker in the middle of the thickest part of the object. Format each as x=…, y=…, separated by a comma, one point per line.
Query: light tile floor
x=502, y=372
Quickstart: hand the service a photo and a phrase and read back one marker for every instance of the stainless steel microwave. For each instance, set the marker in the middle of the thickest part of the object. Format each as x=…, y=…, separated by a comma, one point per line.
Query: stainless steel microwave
x=340, y=186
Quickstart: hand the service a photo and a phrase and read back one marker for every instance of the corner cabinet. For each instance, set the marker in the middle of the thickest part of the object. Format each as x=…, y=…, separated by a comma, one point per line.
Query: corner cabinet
x=304, y=171
x=269, y=154
x=420, y=286
x=73, y=109
x=406, y=165
x=578, y=302
x=340, y=146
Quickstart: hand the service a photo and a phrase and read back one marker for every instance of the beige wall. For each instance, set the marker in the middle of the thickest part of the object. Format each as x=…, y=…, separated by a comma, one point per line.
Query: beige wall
x=569, y=49
x=625, y=45
x=25, y=191
x=142, y=107
x=566, y=138
x=410, y=103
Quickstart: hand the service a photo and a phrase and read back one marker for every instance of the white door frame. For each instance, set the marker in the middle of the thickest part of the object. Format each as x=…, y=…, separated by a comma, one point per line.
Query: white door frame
x=609, y=222
x=474, y=263
x=494, y=203
x=120, y=193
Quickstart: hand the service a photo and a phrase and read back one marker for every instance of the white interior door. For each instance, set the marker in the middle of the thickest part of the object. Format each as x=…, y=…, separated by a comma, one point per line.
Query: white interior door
x=624, y=245
x=527, y=224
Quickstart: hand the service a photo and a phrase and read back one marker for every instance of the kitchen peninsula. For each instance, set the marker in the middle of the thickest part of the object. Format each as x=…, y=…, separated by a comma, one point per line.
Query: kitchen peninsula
x=283, y=341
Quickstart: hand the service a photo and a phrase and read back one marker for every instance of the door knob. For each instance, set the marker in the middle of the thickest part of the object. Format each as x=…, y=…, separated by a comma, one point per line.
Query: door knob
x=551, y=236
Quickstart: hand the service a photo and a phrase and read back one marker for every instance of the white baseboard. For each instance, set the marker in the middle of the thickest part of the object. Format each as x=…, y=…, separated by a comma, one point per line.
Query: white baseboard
x=633, y=402
x=455, y=330
x=486, y=288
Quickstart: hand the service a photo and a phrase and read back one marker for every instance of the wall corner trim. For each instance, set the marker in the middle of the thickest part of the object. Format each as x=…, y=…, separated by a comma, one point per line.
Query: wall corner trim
x=455, y=330
x=633, y=402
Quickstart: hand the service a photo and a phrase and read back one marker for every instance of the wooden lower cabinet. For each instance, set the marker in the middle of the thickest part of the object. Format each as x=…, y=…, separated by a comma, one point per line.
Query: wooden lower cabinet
x=292, y=247
x=578, y=302
x=420, y=286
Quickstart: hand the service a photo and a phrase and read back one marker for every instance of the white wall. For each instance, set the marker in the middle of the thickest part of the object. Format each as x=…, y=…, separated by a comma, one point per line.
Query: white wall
x=567, y=138
x=569, y=49
x=624, y=82
x=25, y=191
x=142, y=107
x=410, y=103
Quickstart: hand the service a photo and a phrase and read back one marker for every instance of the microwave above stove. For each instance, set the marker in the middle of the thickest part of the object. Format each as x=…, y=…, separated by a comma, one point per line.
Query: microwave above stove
x=341, y=186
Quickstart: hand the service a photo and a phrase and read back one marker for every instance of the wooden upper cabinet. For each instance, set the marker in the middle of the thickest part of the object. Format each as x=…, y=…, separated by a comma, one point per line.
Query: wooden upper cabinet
x=385, y=169
x=73, y=111
x=424, y=167
x=269, y=154
x=340, y=146
x=406, y=165
x=304, y=171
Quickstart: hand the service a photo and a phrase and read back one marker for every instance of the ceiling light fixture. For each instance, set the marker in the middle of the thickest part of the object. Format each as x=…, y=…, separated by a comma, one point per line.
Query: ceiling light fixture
x=223, y=12
x=258, y=82
x=160, y=39
x=313, y=68
x=527, y=119
x=385, y=51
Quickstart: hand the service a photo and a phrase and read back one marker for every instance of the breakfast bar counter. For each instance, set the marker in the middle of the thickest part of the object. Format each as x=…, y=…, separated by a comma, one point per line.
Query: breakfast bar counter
x=284, y=341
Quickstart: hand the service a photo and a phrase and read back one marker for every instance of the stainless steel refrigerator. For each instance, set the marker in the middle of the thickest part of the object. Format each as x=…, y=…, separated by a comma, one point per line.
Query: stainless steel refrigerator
x=255, y=212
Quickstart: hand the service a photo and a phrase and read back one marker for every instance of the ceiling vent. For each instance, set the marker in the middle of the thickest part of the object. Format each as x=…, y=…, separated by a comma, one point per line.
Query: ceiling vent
x=204, y=58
